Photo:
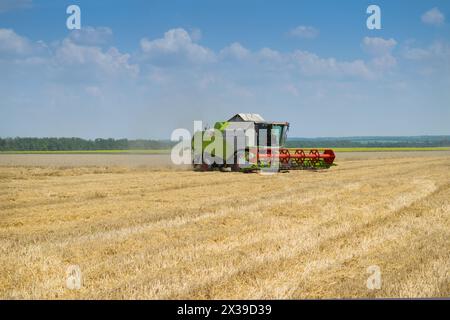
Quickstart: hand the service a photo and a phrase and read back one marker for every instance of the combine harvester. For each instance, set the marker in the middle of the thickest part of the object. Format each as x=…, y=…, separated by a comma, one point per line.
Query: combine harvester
x=266, y=147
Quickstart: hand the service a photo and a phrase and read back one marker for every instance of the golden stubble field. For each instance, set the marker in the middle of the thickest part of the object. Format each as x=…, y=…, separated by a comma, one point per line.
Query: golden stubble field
x=144, y=232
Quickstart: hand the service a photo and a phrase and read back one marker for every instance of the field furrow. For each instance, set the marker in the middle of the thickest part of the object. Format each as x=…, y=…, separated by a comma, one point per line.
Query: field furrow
x=146, y=232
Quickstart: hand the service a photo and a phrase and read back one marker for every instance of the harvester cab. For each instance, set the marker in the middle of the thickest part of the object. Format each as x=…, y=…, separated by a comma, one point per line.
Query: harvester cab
x=266, y=133
x=264, y=145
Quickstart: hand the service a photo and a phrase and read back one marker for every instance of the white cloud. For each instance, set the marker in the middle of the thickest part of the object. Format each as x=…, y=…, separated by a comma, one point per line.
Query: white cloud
x=235, y=51
x=91, y=35
x=355, y=68
x=196, y=34
x=309, y=64
x=437, y=50
x=269, y=55
x=305, y=32
x=433, y=17
x=378, y=46
x=20, y=48
x=67, y=59
x=435, y=57
x=178, y=44
x=416, y=53
x=109, y=61
x=430, y=60
x=313, y=65
x=381, y=50
x=384, y=62
x=77, y=55
x=11, y=42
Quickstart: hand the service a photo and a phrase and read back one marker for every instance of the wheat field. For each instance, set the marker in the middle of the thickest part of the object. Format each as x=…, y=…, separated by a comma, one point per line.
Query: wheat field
x=148, y=233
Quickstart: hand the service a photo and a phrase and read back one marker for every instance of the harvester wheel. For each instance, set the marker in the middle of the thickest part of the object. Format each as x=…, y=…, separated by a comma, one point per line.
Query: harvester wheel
x=201, y=167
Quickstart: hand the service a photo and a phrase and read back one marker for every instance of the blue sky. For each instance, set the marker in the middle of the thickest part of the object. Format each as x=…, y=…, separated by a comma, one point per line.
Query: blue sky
x=140, y=69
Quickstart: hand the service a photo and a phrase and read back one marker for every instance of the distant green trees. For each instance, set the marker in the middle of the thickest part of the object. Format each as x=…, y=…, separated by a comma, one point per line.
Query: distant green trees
x=65, y=144
x=367, y=142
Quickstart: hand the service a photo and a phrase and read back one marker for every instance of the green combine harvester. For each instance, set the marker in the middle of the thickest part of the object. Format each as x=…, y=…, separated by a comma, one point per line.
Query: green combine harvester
x=247, y=142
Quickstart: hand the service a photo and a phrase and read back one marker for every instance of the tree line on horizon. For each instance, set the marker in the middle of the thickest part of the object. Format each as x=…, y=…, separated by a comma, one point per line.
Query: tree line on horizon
x=74, y=144
x=69, y=144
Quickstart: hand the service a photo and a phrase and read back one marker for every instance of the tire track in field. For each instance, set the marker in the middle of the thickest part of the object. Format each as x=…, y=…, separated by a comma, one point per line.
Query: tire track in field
x=283, y=260
x=259, y=255
x=238, y=242
x=337, y=247
x=404, y=264
x=253, y=205
x=77, y=199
